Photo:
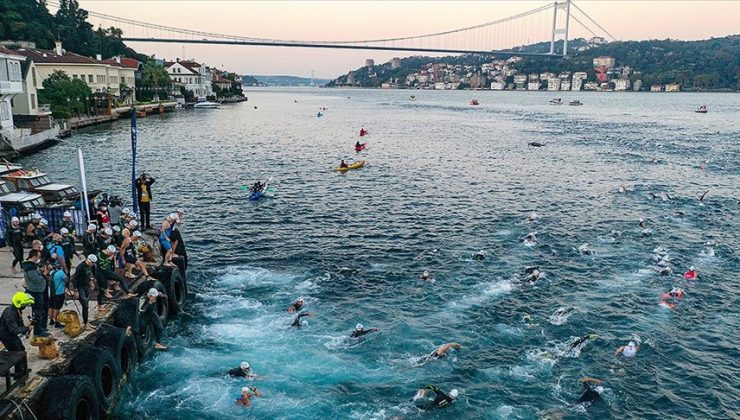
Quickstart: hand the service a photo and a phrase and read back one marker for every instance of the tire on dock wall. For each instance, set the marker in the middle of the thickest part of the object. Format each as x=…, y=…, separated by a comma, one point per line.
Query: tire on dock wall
x=123, y=348
x=163, y=304
x=176, y=293
x=70, y=397
x=99, y=365
x=181, y=264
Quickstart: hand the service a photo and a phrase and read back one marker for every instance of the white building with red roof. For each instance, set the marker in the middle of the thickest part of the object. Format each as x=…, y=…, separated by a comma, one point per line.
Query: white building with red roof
x=192, y=75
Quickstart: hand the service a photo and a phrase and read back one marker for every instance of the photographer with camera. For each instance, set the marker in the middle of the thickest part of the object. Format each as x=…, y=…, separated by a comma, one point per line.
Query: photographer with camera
x=144, y=195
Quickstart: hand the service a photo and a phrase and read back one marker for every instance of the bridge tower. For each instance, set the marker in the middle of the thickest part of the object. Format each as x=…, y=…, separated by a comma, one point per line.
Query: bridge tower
x=561, y=29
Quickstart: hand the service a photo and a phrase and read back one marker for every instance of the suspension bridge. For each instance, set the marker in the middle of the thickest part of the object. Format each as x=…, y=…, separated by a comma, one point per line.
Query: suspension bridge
x=549, y=22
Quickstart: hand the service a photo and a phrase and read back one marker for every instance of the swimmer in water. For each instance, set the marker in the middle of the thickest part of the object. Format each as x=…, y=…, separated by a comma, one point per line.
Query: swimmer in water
x=641, y=222
x=532, y=217
x=675, y=293
x=701, y=199
x=585, y=250
x=691, y=274
x=480, y=255
x=296, y=306
x=442, y=351
x=590, y=393
x=360, y=331
x=630, y=350
x=530, y=239
x=297, y=323
x=581, y=342
x=533, y=274
x=243, y=371
x=441, y=399
x=248, y=392
x=425, y=276
x=530, y=320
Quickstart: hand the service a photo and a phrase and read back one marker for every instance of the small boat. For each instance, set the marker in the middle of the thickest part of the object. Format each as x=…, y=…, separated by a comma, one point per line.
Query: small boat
x=203, y=103
x=356, y=165
x=575, y=103
x=361, y=147
x=412, y=98
x=256, y=195
x=556, y=101
x=701, y=110
x=474, y=102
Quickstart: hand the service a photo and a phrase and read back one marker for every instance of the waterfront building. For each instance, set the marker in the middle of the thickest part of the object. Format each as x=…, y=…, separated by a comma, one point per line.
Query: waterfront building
x=565, y=85
x=192, y=75
x=533, y=85
x=129, y=71
x=637, y=85
x=498, y=85
x=621, y=85
x=672, y=87
x=100, y=77
x=221, y=83
x=590, y=86
x=520, y=81
x=553, y=84
x=656, y=87
x=11, y=85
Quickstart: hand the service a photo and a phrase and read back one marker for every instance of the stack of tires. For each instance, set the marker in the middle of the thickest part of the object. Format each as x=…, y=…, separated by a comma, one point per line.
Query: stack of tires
x=91, y=387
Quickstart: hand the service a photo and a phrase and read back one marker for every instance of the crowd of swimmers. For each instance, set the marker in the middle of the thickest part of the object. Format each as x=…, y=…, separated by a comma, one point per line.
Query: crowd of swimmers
x=114, y=253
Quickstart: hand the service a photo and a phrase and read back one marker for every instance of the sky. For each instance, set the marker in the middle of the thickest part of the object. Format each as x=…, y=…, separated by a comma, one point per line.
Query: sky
x=361, y=20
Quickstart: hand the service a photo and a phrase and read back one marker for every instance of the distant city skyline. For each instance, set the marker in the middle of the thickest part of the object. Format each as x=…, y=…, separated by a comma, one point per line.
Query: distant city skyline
x=351, y=20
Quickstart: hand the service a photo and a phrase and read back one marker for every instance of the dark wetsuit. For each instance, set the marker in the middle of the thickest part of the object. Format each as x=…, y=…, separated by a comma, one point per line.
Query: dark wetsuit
x=11, y=325
x=239, y=373
x=70, y=225
x=15, y=240
x=89, y=243
x=442, y=400
x=180, y=248
x=148, y=311
x=297, y=321
x=589, y=394
x=106, y=272
x=360, y=333
x=81, y=282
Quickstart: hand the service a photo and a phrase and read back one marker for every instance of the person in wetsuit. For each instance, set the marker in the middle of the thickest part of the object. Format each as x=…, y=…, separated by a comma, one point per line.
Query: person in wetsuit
x=15, y=240
x=441, y=399
x=148, y=311
x=90, y=240
x=243, y=371
x=442, y=351
x=84, y=272
x=582, y=341
x=296, y=306
x=297, y=321
x=360, y=331
x=590, y=393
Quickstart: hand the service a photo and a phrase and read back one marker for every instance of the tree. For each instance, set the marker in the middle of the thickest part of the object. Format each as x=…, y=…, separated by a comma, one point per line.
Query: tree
x=65, y=96
x=74, y=30
x=154, y=82
x=26, y=20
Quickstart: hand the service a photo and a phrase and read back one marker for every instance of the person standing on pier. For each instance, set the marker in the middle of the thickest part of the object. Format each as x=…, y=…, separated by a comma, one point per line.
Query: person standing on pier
x=144, y=195
x=36, y=286
x=84, y=274
x=15, y=239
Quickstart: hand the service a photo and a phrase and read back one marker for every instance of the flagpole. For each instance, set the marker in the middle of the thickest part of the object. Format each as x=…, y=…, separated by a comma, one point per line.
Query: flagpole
x=83, y=196
x=134, y=199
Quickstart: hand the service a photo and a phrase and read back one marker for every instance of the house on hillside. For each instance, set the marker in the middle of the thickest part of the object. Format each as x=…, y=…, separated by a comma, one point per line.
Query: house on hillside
x=11, y=85
x=191, y=75
x=129, y=71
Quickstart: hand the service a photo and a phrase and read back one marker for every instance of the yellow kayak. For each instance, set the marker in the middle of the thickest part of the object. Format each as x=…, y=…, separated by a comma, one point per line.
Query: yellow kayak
x=357, y=165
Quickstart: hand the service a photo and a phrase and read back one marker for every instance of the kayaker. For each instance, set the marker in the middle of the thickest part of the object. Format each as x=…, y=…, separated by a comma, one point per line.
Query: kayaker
x=257, y=187
x=363, y=132
x=358, y=146
x=343, y=164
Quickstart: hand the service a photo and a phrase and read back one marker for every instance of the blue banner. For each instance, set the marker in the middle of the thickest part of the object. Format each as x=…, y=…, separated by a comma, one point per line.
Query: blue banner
x=134, y=199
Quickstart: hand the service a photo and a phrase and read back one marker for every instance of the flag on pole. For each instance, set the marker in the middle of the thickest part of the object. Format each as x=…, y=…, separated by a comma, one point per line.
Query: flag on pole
x=134, y=199
x=83, y=197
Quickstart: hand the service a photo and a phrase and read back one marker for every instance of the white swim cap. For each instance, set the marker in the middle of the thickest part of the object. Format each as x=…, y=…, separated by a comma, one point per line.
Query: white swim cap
x=152, y=292
x=108, y=231
x=36, y=216
x=111, y=249
x=117, y=228
x=180, y=210
x=692, y=268
x=133, y=223
x=172, y=217
x=454, y=393
x=91, y=226
x=631, y=344
x=359, y=327
x=92, y=258
x=137, y=234
x=300, y=299
x=244, y=365
x=247, y=390
x=425, y=273
x=67, y=214
x=125, y=210
x=44, y=222
x=64, y=231
x=15, y=219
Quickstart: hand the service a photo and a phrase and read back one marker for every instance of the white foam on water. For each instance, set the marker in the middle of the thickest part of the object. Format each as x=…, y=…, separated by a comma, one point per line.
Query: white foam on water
x=253, y=276
x=560, y=316
x=484, y=292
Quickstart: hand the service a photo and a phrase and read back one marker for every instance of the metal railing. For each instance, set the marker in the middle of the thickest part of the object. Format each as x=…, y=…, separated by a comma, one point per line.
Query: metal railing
x=54, y=216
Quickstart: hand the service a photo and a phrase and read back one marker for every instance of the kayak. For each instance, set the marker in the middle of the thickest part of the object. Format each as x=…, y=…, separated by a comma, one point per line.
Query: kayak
x=360, y=148
x=357, y=165
x=256, y=195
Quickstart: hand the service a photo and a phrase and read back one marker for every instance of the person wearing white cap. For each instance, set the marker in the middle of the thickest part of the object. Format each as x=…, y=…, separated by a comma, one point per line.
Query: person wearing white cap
x=441, y=399
x=41, y=230
x=81, y=282
x=243, y=371
x=15, y=240
x=148, y=310
x=106, y=273
x=130, y=260
x=296, y=306
x=144, y=197
x=68, y=223
x=68, y=245
x=180, y=215
x=360, y=331
x=630, y=350
x=90, y=240
x=691, y=274
x=105, y=238
x=247, y=393
x=164, y=238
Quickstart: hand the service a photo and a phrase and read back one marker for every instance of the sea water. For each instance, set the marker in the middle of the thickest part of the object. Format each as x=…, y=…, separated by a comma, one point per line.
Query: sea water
x=443, y=180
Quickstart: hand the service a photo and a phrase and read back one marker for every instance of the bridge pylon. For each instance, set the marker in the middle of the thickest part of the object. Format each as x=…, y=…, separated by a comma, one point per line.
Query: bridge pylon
x=560, y=29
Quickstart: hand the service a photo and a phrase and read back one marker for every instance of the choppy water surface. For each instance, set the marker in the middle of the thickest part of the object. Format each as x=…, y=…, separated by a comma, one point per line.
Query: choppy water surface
x=443, y=180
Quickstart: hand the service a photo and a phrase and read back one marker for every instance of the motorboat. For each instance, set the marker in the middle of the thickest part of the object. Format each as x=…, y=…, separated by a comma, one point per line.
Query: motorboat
x=38, y=182
x=701, y=110
x=556, y=101
x=474, y=102
x=206, y=105
x=575, y=103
